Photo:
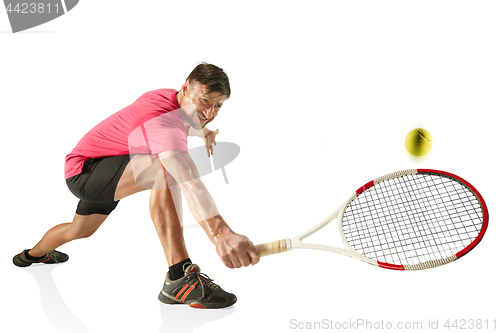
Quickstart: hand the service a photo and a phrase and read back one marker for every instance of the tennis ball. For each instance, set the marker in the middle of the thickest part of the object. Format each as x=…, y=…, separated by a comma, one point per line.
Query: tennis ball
x=418, y=142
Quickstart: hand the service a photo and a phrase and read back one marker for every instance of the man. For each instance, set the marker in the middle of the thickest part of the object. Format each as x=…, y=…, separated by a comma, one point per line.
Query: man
x=144, y=146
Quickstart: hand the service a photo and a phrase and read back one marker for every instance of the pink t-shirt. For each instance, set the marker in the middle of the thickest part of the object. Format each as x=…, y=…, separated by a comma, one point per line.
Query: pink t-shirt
x=150, y=125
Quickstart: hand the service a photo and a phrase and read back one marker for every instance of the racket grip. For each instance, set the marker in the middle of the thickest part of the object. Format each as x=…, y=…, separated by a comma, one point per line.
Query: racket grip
x=275, y=247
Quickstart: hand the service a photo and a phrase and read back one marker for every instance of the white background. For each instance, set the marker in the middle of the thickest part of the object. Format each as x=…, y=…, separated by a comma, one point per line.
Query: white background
x=323, y=96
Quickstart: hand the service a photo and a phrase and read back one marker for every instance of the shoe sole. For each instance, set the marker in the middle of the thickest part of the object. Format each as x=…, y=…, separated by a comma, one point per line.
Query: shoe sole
x=167, y=299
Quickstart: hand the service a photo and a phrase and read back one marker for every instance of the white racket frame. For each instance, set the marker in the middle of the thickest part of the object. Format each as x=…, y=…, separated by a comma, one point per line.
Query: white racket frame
x=296, y=242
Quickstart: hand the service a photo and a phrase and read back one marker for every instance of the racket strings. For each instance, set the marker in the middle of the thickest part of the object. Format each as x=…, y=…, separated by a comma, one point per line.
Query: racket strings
x=413, y=219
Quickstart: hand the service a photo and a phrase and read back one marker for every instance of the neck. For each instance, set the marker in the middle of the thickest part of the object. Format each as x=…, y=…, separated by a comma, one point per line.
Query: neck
x=179, y=104
x=179, y=99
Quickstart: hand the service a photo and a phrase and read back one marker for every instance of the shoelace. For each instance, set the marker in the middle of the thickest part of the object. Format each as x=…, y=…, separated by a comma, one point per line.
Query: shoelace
x=53, y=255
x=193, y=271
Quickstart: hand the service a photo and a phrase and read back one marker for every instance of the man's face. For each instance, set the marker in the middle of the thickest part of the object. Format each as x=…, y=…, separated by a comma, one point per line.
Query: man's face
x=204, y=105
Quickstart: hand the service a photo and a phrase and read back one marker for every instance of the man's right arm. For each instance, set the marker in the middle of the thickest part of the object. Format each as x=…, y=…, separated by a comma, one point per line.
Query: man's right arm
x=182, y=168
x=234, y=250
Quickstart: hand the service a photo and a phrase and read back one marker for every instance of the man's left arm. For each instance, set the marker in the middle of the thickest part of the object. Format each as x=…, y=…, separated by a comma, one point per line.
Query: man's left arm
x=207, y=135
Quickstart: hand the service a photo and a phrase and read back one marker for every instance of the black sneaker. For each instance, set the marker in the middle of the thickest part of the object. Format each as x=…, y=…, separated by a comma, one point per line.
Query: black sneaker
x=53, y=257
x=195, y=289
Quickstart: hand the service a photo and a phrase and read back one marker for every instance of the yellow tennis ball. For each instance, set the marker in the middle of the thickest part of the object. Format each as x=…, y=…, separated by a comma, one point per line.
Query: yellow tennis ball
x=418, y=142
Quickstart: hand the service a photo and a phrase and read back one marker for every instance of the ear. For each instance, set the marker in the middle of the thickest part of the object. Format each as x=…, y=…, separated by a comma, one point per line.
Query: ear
x=185, y=87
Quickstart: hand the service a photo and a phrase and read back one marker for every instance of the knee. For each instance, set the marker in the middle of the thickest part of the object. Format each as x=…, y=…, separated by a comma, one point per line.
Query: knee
x=78, y=232
x=86, y=234
x=150, y=177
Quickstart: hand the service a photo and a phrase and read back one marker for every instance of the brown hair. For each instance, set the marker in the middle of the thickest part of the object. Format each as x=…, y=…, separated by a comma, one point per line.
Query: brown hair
x=214, y=77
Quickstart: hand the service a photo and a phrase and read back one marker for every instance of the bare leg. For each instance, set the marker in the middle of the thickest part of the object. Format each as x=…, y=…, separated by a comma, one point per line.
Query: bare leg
x=81, y=227
x=162, y=207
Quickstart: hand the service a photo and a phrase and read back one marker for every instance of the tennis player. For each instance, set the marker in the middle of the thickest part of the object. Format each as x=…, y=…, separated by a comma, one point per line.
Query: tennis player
x=144, y=146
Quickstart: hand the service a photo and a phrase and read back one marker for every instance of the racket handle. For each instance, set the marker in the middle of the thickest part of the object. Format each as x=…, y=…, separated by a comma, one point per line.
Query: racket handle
x=275, y=247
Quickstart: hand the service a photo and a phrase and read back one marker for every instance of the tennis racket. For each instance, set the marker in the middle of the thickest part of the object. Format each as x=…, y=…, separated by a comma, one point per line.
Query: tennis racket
x=407, y=220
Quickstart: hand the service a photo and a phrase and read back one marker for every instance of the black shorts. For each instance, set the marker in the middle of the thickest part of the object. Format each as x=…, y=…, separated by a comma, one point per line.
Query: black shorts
x=95, y=186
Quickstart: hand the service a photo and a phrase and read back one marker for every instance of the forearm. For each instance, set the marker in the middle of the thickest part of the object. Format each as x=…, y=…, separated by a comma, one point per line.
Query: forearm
x=201, y=133
x=215, y=228
x=204, y=210
x=199, y=200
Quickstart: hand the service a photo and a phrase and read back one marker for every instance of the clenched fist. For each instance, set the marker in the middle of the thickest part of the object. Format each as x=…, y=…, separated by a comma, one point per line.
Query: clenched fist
x=236, y=250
